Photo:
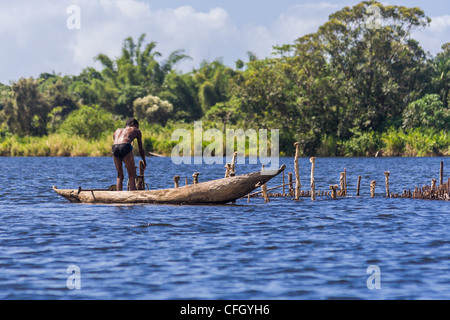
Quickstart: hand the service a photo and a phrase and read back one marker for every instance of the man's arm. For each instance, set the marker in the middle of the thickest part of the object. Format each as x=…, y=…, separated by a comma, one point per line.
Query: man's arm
x=141, y=149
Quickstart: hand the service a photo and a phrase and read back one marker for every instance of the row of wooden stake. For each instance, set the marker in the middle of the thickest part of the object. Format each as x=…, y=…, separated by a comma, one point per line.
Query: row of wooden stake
x=442, y=192
x=432, y=192
x=229, y=172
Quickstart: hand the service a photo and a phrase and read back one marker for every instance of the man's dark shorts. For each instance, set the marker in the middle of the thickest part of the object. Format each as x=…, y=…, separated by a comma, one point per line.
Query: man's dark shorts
x=121, y=150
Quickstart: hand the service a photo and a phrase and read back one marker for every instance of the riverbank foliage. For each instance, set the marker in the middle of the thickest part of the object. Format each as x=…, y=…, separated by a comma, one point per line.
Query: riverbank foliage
x=350, y=89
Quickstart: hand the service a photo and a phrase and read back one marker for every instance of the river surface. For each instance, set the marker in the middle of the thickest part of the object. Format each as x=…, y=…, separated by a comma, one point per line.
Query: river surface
x=352, y=248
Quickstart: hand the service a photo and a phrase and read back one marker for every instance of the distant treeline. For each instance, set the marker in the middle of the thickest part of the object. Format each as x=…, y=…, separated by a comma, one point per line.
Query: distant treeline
x=349, y=89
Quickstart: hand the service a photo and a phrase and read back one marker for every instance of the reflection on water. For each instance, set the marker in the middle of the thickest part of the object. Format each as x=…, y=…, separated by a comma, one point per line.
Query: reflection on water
x=283, y=249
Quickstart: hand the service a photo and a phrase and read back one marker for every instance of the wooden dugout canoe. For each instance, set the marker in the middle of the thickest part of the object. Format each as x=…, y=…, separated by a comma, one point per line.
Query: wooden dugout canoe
x=219, y=191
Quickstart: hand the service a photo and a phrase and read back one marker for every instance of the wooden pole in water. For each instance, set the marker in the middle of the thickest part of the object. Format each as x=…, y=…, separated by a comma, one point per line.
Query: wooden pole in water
x=433, y=185
x=269, y=189
x=141, y=167
x=283, y=183
x=195, y=177
x=264, y=189
x=233, y=165
x=176, y=179
x=358, y=185
x=291, y=185
x=341, y=182
x=313, y=184
x=345, y=181
x=298, y=185
x=334, y=191
x=441, y=174
x=386, y=175
x=227, y=170
x=264, y=192
x=139, y=180
x=186, y=181
x=373, y=183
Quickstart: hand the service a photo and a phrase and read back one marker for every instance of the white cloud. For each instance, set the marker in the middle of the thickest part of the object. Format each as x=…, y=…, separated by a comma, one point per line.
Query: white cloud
x=433, y=37
x=295, y=22
x=440, y=24
x=38, y=40
x=173, y=29
x=198, y=33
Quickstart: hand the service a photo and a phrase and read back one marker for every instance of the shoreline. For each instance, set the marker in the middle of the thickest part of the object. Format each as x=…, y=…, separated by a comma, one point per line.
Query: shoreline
x=168, y=156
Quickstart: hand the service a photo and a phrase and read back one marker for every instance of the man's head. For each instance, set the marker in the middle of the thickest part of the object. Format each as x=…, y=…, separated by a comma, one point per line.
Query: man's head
x=132, y=122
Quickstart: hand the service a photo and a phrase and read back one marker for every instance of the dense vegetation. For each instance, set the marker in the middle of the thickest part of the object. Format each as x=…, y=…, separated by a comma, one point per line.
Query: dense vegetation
x=346, y=90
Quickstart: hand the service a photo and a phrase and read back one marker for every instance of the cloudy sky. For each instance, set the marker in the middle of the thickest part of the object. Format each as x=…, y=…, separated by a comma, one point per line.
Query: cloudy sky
x=35, y=37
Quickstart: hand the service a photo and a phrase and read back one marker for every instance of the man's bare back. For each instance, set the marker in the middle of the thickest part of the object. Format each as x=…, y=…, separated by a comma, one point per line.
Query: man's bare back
x=126, y=135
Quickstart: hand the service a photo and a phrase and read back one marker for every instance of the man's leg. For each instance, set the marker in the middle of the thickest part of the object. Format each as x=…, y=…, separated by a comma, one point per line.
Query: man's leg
x=131, y=168
x=119, y=168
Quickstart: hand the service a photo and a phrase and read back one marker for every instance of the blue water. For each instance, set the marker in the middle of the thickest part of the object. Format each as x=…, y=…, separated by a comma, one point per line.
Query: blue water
x=278, y=250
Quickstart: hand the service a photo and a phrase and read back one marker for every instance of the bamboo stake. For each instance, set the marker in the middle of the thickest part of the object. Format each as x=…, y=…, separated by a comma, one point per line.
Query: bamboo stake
x=264, y=189
x=433, y=185
x=195, y=177
x=441, y=174
x=341, y=182
x=345, y=181
x=291, y=188
x=313, y=184
x=283, y=182
x=334, y=191
x=358, y=185
x=176, y=179
x=298, y=184
x=140, y=179
x=373, y=183
x=233, y=165
x=264, y=192
x=141, y=167
x=270, y=189
x=386, y=174
x=227, y=170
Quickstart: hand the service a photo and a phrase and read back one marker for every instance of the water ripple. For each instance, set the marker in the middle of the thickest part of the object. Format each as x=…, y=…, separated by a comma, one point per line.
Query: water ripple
x=283, y=249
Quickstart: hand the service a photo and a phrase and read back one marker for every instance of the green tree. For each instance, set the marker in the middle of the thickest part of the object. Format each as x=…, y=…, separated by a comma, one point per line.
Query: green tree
x=428, y=112
x=268, y=99
x=224, y=111
x=91, y=87
x=26, y=109
x=89, y=122
x=349, y=76
x=213, y=81
x=152, y=109
x=181, y=91
x=379, y=64
x=137, y=73
x=4, y=93
x=264, y=94
x=441, y=79
x=61, y=102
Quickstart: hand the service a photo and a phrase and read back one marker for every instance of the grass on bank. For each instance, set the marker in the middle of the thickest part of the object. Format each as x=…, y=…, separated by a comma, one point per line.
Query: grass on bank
x=157, y=139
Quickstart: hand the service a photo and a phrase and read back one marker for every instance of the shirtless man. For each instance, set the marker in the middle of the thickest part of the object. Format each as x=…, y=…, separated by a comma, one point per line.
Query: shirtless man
x=122, y=151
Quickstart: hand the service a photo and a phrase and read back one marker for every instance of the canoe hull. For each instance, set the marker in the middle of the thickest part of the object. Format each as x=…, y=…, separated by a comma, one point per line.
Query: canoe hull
x=219, y=191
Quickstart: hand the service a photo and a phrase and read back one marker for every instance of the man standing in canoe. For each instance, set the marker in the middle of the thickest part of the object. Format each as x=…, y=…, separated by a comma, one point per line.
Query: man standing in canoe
x=122, y=151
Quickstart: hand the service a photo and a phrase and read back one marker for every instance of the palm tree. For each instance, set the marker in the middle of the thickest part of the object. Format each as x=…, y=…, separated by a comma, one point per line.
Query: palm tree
x=137, y=73
x=213, y=82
